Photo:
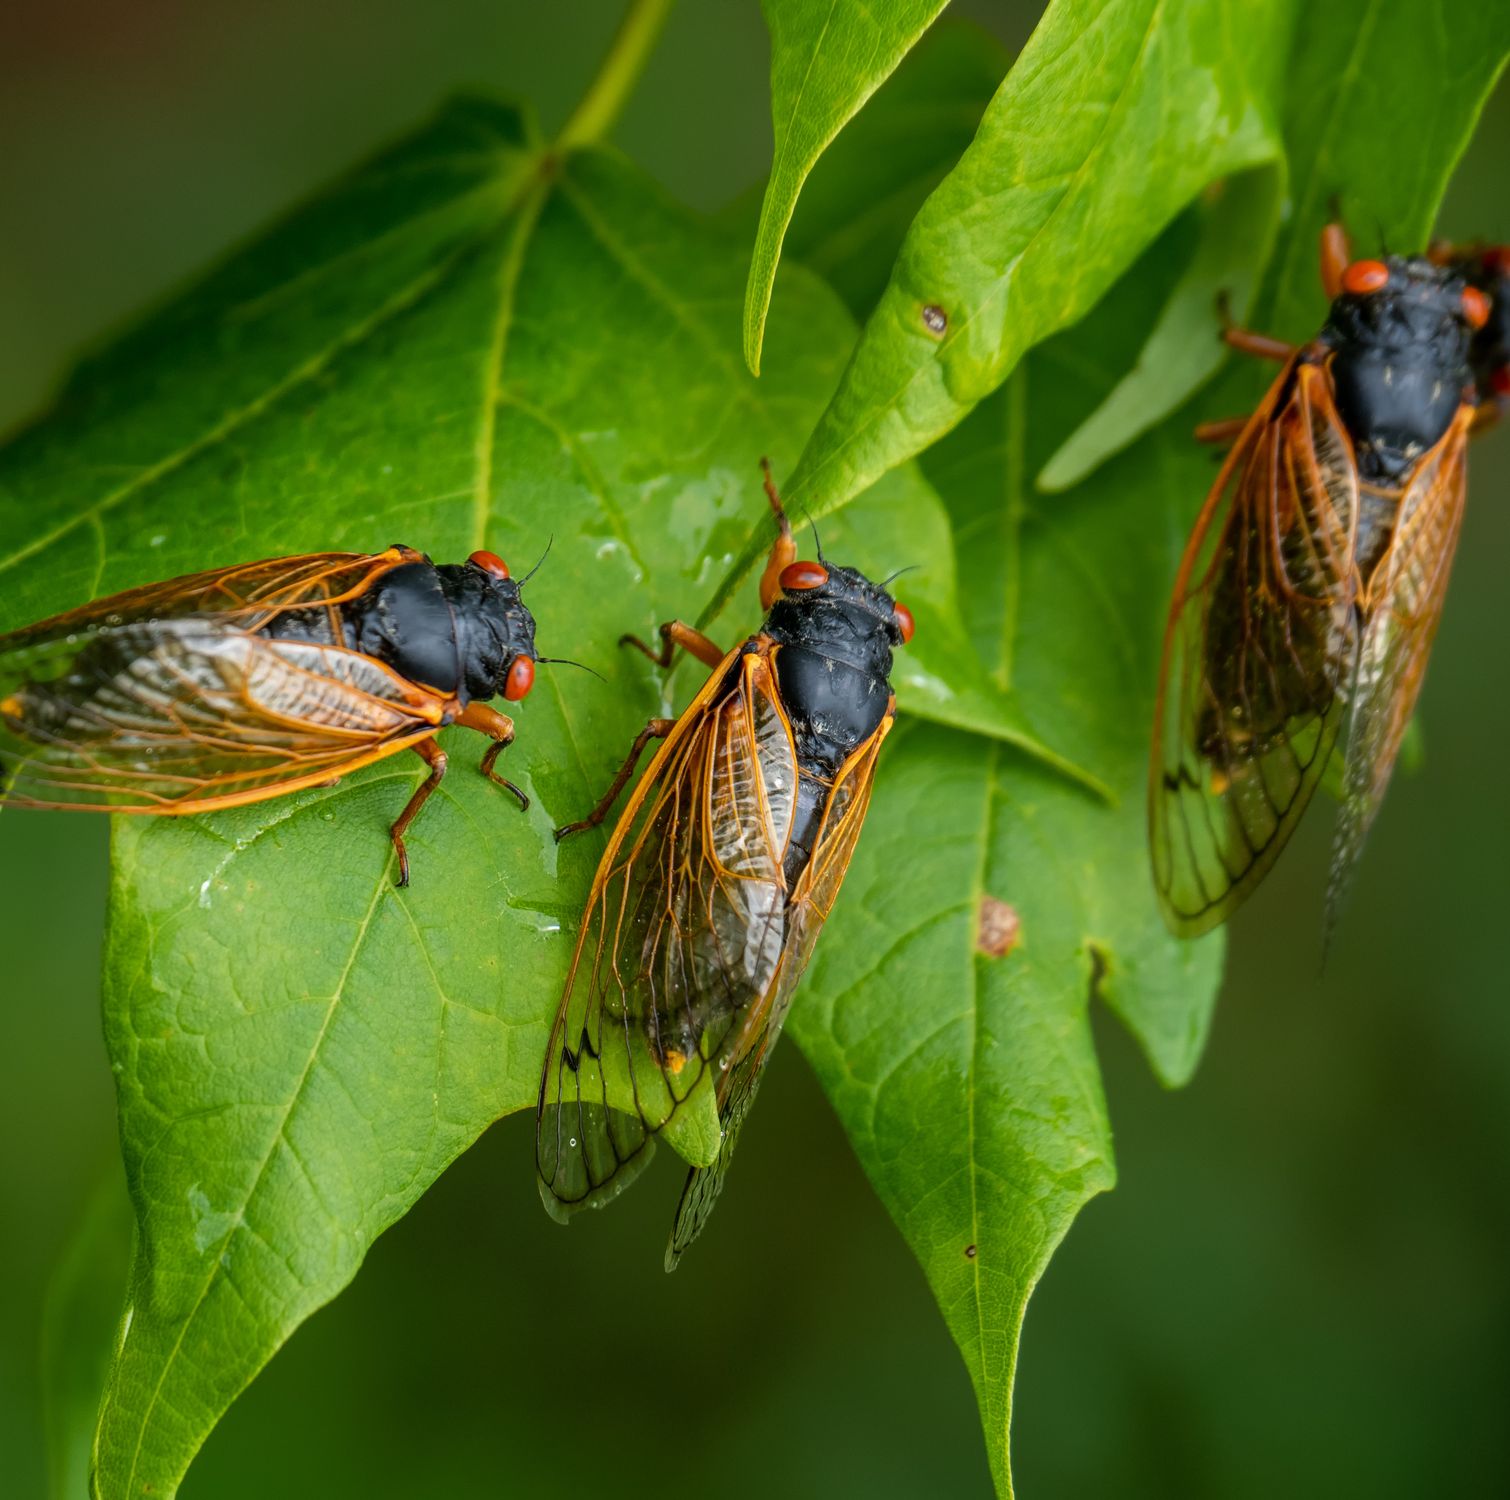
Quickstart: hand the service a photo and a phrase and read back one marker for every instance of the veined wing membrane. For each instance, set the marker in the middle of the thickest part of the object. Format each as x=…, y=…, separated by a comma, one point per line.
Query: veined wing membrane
x=164, y=700
x=172, y=718
x=1403, y=608
x=245, y=595
x=1259, y=647
x=748, y=1050
x=684, y=931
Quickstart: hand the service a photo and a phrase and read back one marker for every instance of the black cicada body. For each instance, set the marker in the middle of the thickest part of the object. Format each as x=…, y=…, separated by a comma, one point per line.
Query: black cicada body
x=1313, y=582
x=716, y=882
x=234, y=686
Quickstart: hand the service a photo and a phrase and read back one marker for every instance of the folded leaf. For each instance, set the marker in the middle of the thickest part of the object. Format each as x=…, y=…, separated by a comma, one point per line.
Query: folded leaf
x=1115, y=116
x=827, y=58
x=1236, y=226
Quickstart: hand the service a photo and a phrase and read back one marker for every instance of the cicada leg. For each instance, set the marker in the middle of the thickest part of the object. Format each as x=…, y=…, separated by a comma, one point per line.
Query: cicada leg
x=1336, y=252
x=500, y=729
x=1225, y=432
x=1245, y=341
x=1259, y=345
x=675, y=633
x=434, y=757
x=783, y=551
x=656, y=729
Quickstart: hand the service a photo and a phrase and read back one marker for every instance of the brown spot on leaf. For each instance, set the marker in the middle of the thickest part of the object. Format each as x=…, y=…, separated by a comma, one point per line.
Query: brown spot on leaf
x=999, y=928
x=935, y=320
x=970, y=1252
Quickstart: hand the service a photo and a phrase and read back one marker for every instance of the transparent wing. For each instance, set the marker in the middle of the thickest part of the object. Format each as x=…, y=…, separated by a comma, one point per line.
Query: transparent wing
x=1402, y=608
x=246, y=595
x=1260, y=643
x=749, y=1049
x=161, y=700
x=181, y=716
x=684, y=931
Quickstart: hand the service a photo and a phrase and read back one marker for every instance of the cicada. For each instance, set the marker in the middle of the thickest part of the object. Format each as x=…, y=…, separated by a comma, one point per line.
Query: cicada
x=1311, y=587
x=245, y=683
x=717, y=880
x=1486, y=268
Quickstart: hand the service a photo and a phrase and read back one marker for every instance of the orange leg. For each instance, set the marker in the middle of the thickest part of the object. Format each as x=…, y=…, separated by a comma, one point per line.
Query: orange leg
x=656, y=729
x=783, y=551
x=1336, y=253
x=1259, y=345
x=500, y=729
x=673, y=634
x=1228, y=430
x=434, y=757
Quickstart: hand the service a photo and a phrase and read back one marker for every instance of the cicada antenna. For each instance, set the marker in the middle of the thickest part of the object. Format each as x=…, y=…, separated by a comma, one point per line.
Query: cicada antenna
x=817, y=542
x=550, y=542
x=566, y=661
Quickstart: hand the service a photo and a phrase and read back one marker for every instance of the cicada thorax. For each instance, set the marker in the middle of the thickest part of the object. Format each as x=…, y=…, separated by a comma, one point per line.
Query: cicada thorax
x=833, y=662
x=453, y=627
x=1398, y=363
x=1399, y=339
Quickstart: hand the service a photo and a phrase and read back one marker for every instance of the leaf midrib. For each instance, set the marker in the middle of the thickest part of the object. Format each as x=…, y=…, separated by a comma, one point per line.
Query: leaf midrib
x=883, y=409
x=350, y=337
x=145, y=1422
x=977, y=892
x=708, y=340
x=525, y=211
x=516, y=246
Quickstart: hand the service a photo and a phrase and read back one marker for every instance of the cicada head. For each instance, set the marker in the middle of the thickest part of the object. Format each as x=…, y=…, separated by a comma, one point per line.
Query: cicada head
x=841, y=610
x=1400, y=332
x=495, y=631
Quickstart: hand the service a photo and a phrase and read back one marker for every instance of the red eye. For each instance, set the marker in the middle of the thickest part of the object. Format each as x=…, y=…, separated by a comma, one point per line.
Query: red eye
x=1497, y=260
x=1365, y=276
x=520, y=680
x=802, y=575
x=905, y=623
x=490, y=562
x=1475, y=307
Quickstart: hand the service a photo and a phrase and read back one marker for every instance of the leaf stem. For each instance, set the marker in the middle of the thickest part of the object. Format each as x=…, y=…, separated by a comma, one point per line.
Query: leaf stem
x=606, y=95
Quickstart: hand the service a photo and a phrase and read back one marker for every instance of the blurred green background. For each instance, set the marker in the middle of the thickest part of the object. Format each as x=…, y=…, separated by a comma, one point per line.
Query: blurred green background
x=1302, y=1285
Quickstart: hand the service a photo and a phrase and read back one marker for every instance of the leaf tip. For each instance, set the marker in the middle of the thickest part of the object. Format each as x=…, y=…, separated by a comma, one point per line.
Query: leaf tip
x=1062, y=472
x=757, y=302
